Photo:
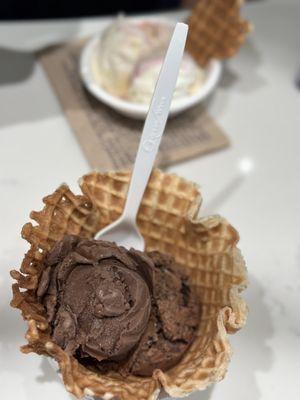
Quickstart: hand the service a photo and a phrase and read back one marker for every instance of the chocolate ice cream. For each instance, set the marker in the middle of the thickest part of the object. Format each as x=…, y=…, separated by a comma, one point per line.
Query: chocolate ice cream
x=117, y=309
x=173, y=321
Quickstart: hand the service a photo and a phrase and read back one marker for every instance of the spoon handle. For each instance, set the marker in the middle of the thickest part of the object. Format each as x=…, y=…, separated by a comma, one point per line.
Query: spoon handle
x=155, y=121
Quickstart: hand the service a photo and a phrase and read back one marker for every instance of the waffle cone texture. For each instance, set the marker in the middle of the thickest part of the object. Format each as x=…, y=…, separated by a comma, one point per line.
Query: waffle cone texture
x=205, y=248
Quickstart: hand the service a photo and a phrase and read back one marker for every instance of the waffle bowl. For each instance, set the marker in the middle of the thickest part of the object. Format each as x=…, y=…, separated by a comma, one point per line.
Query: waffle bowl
x=216, y=30
x=205, y=248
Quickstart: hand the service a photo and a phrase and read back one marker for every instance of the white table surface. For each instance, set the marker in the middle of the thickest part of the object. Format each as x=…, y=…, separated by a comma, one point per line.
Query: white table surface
x=254, y=183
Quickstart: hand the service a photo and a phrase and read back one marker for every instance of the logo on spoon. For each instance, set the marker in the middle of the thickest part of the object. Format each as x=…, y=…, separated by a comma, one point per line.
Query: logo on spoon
x=149, y=144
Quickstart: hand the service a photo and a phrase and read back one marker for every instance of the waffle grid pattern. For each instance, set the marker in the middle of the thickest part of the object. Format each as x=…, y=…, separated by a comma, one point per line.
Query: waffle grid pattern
x=216, y=30
x=205, y=249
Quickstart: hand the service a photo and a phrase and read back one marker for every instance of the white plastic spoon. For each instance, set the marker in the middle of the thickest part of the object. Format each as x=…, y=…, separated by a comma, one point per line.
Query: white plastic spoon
x=124, y=231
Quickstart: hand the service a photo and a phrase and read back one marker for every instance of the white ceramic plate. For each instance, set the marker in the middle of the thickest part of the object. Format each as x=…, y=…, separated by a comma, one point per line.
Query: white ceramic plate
x=136, y=110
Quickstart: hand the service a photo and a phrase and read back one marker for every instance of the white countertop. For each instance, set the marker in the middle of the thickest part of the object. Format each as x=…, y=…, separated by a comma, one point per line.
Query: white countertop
x=254, y=184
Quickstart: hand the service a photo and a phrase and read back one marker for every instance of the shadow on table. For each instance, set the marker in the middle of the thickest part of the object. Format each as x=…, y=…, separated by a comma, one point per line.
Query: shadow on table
x=252, y=354
x=16, y=66
x=29, y=103
x=246, y=79
x=49, y=374
x=20, y=102
x=12, y=326
x=240, y=75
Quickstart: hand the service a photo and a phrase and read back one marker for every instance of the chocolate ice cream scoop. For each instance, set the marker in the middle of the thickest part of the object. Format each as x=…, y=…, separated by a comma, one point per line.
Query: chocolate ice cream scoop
x=118, y=309
x=97, y=297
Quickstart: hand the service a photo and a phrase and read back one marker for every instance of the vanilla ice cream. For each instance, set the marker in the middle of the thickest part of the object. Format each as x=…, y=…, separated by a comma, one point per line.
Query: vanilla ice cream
x=129, y=57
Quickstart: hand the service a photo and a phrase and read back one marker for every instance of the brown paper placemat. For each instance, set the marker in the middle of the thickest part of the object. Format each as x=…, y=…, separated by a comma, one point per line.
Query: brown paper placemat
x=110, y=140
